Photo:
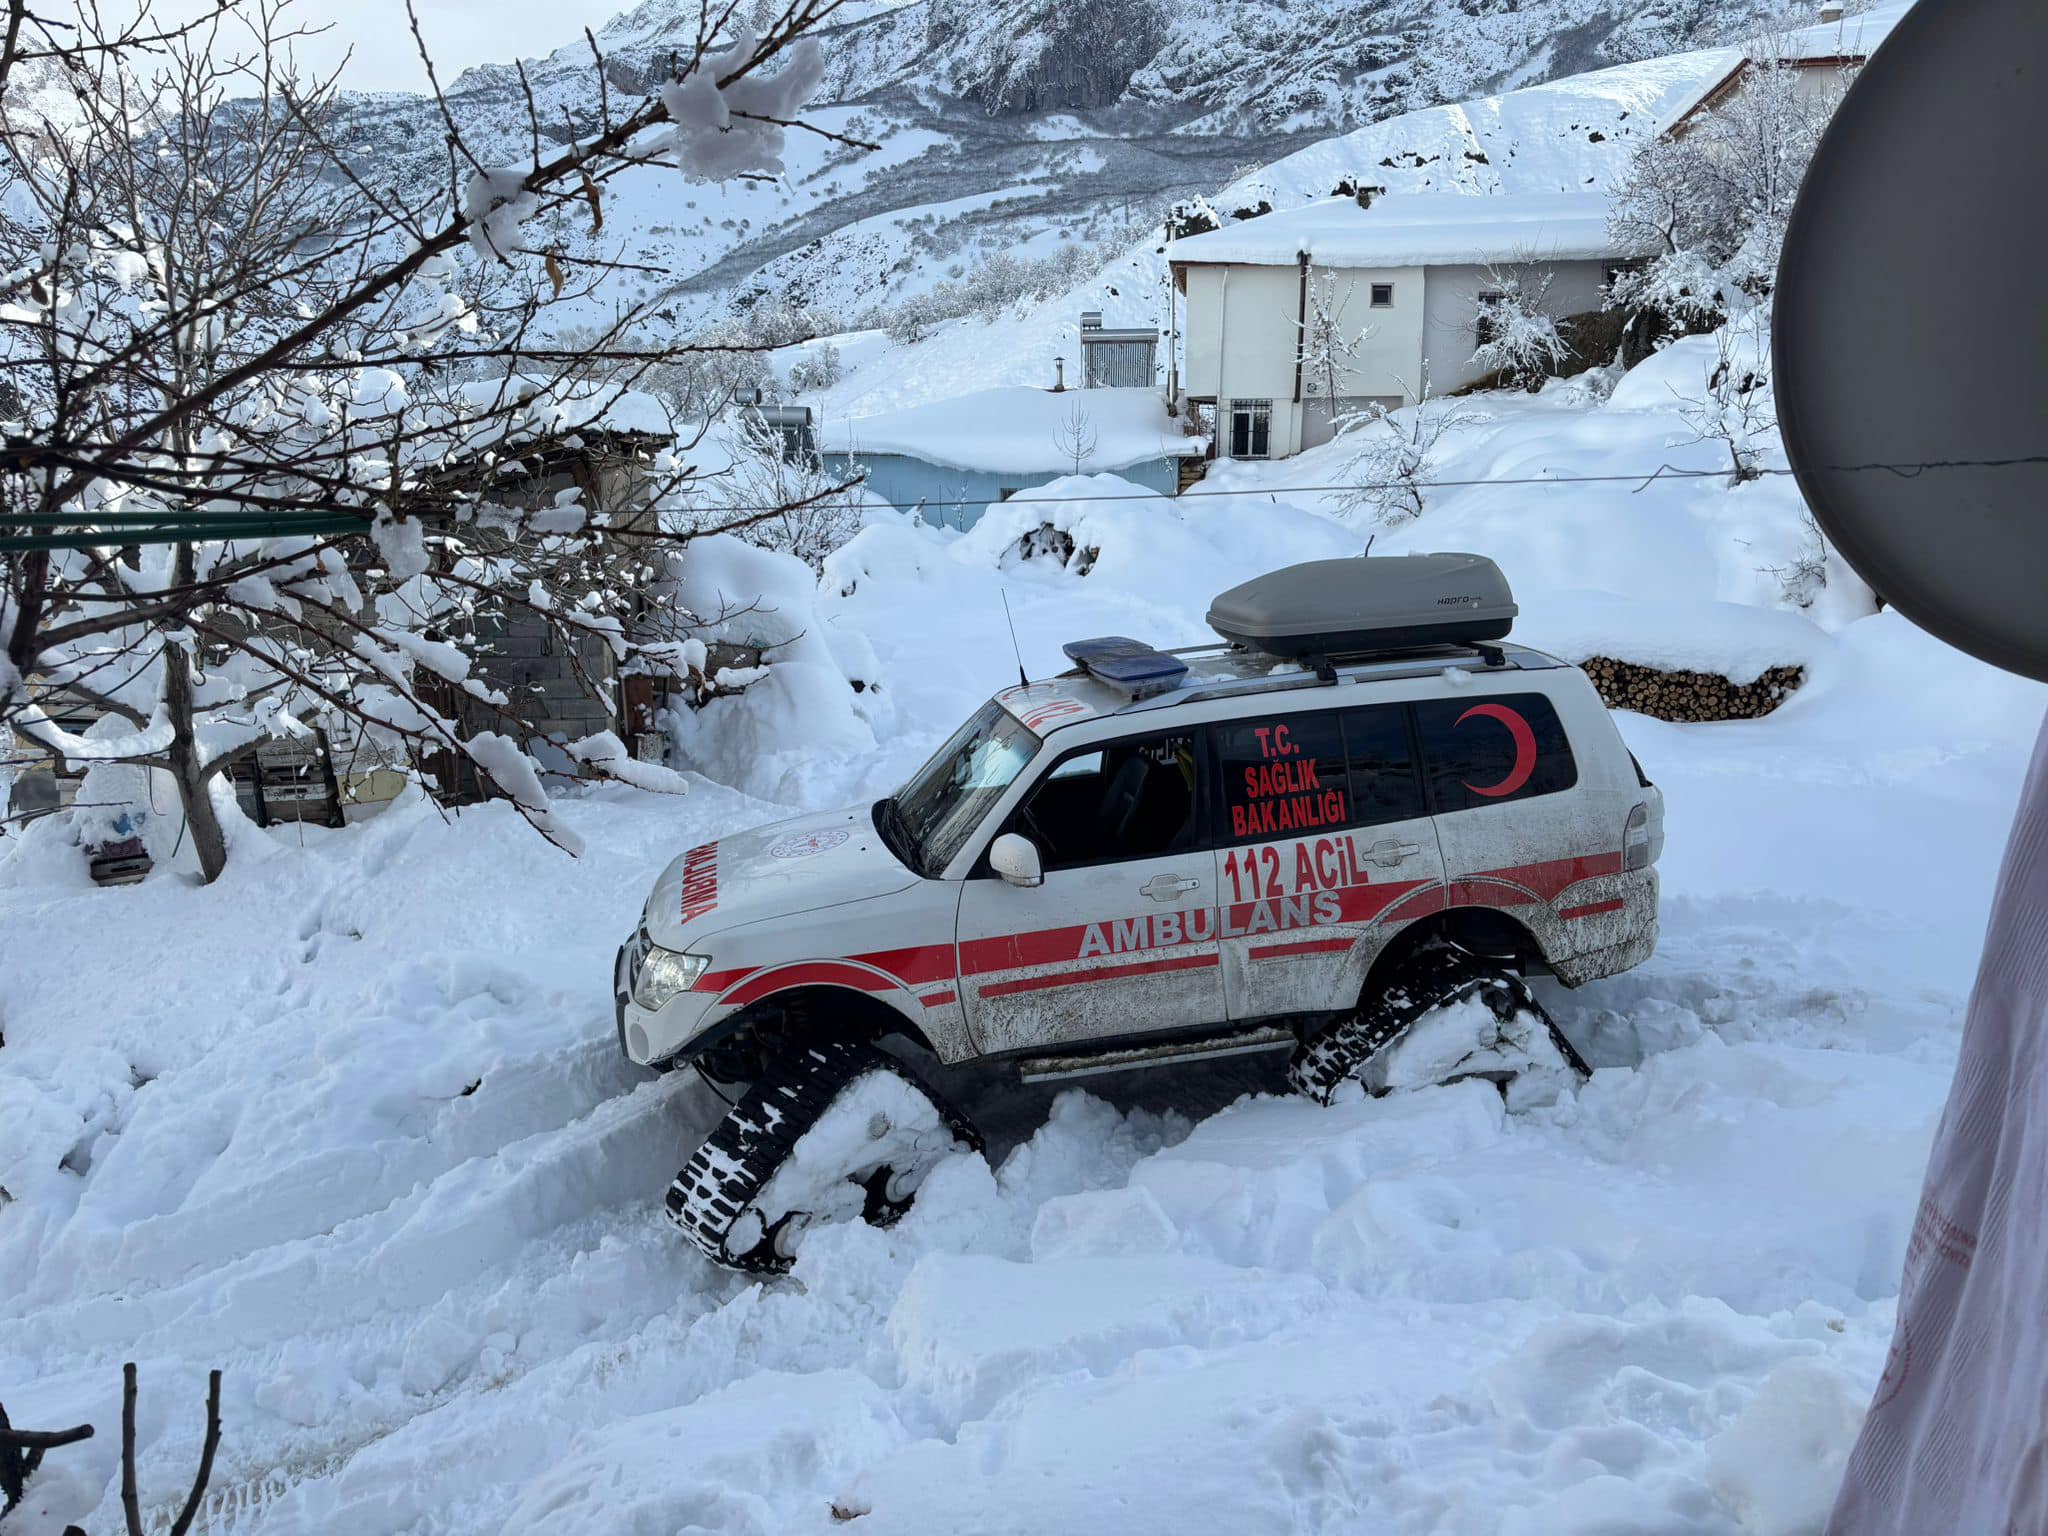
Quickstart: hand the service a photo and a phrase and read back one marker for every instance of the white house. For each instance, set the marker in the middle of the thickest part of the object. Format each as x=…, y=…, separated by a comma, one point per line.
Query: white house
x=1406, y=274
x=1821, y=57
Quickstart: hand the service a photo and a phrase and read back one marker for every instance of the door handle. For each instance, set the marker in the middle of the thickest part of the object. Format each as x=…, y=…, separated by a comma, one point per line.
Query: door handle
x=1387, y=852
x=1165, y=887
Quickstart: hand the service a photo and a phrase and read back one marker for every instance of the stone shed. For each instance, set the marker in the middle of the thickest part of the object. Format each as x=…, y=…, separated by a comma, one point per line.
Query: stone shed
x=559, y=692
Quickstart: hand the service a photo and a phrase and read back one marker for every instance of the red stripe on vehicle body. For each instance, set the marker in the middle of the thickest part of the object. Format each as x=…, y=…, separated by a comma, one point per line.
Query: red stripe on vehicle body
x=1517, y=885
x=1551, y=879
x=1592, y=909
x=923, y=964
x=1013, y=951
x=810, y=973
x=1100, y=973
x=915, y=966
x=904, y=968
x=937, y=999
x=1306, y=947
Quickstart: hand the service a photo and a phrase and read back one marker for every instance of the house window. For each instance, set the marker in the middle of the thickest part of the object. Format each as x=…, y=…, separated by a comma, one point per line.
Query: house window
x=1486, y=323
x=1382, y=295
x=1251, y=429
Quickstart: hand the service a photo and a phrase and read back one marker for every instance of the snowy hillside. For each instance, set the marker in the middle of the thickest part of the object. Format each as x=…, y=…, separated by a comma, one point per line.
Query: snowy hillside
x=1567, y=135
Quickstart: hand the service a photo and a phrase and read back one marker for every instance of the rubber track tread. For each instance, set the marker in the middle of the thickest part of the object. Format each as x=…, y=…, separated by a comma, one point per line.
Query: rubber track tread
x=1430, y=980
x=728, y=1171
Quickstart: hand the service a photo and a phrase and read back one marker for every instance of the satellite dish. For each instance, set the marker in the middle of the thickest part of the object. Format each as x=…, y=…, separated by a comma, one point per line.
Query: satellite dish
x=1911, y=327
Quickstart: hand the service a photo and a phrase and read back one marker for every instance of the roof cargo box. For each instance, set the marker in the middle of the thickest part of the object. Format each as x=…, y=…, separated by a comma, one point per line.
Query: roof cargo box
x=1385, y=603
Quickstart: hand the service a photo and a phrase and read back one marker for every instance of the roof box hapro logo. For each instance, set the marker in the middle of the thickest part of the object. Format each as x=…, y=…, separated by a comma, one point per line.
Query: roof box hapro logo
x=1468, y=599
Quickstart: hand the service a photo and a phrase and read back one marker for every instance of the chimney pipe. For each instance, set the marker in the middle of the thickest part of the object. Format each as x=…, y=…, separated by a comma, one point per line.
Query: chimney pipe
x=1832, y=11
x=1059, y=377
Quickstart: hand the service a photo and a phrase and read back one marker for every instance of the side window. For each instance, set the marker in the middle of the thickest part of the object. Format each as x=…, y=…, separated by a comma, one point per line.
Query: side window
x=1123, y=800
x=1483, y=751
x=1280, y=776
x=1384, y=784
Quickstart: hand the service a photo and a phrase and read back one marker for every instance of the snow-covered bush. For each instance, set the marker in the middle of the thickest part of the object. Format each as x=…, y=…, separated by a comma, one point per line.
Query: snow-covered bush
x=1712, y=200
x=1518, y=337
x=1394, y=457
x=728, y=362
x=776, y=497
x=818, y=368
x=990, y=289
x=1736, y=409
x=783, y=323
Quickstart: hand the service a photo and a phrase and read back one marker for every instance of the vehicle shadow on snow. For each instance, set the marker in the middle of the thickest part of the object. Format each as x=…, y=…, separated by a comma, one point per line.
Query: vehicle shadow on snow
x=1009, y=1113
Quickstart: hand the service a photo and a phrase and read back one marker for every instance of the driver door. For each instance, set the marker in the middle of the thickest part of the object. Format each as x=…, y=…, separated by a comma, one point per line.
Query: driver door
x=1120, y=938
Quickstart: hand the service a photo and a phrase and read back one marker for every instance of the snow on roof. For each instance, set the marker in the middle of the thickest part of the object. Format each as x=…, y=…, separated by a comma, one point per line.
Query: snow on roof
x=1422, y=229
x=1853, y=36
x=1020, y=431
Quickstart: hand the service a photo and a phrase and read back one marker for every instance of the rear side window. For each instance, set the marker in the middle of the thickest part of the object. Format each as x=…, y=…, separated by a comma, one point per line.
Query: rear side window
x=1298, y=774
x=1281, y=776
x=1488, y=750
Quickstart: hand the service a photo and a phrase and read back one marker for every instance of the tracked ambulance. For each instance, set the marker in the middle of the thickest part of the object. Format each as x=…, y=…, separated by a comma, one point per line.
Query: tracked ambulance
x=1348, y=833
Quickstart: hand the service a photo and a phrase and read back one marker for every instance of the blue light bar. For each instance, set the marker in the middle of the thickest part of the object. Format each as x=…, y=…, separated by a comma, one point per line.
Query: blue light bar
x=1130, y=666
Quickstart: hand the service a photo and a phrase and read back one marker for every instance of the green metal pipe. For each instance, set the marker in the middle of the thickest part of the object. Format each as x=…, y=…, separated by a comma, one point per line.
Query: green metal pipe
x=248, y=528
x=164, y=519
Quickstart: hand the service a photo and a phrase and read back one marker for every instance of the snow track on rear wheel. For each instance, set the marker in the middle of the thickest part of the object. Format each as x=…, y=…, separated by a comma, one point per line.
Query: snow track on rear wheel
x=1511, y=1034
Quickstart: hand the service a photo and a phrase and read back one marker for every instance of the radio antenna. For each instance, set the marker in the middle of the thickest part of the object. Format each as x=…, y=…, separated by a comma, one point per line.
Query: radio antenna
x=1014, y=646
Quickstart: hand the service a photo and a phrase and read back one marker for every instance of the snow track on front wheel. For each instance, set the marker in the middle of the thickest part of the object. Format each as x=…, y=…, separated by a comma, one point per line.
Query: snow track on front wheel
x=803, y=1145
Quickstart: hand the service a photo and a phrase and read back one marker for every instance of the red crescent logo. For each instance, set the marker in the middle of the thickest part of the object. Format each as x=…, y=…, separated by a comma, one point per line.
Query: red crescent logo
x=1525, y=748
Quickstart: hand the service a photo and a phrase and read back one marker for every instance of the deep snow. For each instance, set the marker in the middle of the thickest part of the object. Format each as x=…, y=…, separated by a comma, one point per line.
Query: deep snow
x=352, y=1126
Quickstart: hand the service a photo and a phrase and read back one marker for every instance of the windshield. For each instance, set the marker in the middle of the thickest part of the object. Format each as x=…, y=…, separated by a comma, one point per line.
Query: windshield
x=947, y=798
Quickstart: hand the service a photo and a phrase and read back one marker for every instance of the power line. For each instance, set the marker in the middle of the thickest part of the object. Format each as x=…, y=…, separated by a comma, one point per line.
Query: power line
x=218, y=525
x=1641, y=478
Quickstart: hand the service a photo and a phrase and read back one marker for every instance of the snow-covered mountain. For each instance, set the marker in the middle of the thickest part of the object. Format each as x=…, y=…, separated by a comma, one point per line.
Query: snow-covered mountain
x=1218, y=64
x=1002, y=121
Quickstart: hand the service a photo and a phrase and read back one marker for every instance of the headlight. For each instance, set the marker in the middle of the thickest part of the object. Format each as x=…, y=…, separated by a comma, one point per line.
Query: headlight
x=664, y=973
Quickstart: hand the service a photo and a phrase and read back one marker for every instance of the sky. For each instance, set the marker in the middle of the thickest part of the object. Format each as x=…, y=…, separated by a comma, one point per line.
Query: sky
x=377, y=41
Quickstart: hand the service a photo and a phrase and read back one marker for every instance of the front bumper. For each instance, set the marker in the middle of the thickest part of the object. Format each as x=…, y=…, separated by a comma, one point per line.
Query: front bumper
x=653, y=1037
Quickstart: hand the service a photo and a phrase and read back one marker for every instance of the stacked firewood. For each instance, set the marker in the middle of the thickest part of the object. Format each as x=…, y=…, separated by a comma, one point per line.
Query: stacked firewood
x=1689, y=695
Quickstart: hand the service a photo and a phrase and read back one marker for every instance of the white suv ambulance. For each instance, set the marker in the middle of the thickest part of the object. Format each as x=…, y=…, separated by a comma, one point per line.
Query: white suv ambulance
x=1348, y=835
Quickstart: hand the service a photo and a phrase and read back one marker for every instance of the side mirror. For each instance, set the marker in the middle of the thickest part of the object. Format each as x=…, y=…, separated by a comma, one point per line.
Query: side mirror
x=1016, y=860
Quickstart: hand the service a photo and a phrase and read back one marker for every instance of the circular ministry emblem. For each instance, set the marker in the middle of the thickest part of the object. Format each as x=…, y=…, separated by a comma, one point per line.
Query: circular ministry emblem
x=802, y=845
